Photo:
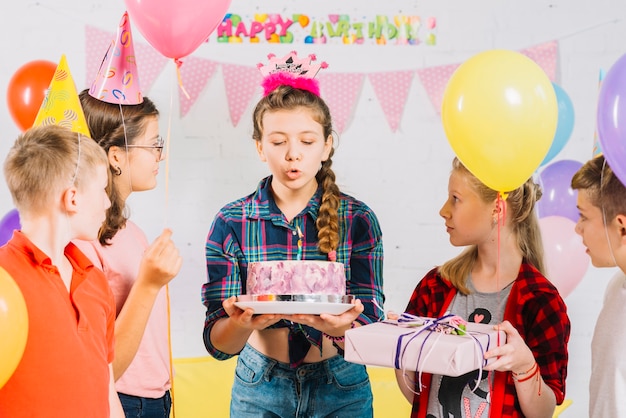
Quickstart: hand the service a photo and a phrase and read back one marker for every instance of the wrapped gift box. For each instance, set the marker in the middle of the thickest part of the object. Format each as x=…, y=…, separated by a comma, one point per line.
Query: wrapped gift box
x=421, y=348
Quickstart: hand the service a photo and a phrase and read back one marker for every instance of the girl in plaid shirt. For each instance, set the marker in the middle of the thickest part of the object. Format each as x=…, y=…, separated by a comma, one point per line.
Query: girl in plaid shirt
x=291, y=365
x=497, y=279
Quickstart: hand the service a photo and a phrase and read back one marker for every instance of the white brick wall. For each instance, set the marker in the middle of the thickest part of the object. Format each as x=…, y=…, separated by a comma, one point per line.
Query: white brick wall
x=402, y=175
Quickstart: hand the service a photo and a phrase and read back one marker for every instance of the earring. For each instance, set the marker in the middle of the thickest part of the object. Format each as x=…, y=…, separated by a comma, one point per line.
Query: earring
x=117, y=171
x=495, y=221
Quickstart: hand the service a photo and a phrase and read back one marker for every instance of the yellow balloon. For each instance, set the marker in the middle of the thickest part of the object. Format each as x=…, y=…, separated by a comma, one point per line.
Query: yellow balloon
x=13, y=326
x=500, y=113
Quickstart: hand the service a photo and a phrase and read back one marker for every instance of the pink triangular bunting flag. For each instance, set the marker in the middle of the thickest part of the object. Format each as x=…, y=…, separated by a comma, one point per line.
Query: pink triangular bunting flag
x=545, y=55
x=96, y=42
x=341, y=91
x=435, y=80
x=241, y=83
x=195, y=73
x=392, y=90
x=150, y=63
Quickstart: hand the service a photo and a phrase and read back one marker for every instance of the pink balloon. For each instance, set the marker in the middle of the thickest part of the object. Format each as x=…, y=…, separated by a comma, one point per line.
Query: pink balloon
x=565, y=255
x=176, y=28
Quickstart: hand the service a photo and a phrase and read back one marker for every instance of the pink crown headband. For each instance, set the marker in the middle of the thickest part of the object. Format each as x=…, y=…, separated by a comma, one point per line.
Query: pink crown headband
x=291, y=71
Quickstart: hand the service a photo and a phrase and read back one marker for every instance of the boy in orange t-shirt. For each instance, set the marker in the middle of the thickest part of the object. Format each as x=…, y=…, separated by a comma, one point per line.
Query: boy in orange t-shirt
x=57, y=179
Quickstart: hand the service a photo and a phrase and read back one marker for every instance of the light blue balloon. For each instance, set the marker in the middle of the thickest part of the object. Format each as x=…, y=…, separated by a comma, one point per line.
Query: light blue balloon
x=565, y=123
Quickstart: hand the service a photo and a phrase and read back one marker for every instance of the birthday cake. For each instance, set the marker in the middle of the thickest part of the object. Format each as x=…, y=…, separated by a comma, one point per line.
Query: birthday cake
x=296, y=277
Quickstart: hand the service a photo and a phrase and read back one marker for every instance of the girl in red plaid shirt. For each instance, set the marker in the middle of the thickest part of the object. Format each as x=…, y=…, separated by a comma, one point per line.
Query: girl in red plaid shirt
x=498, y=280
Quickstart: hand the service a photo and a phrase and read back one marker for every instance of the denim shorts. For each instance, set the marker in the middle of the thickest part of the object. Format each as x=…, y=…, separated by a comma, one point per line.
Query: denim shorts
x=138, y=407
x=333, y=388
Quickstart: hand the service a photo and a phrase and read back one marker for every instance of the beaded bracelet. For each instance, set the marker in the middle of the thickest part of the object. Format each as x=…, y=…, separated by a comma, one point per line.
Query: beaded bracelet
x=338, y=339
x=532, y=372
x=534, y=369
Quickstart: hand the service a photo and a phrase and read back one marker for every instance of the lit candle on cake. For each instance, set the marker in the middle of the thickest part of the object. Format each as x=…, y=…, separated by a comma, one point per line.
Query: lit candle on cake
x=299, y=256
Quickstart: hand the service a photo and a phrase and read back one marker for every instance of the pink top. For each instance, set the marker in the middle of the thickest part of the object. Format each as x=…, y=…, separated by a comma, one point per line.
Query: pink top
x=149, y=373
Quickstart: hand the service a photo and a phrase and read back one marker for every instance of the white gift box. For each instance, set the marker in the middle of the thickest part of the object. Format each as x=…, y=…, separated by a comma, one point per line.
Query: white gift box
x=421, y=348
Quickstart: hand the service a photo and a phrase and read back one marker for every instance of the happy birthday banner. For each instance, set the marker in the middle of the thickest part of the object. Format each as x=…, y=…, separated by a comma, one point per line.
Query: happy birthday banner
x=341, y=91
x=333, y=28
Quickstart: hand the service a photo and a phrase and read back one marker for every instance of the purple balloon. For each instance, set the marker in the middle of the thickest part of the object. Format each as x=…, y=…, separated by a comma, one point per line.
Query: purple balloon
x=8, y=224
x=558, y=198
x=611, y=118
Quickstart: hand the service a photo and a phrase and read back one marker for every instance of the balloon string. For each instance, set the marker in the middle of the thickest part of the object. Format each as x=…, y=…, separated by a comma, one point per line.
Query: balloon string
x=500, y=223
x=179, y=63
x=501, y=207
x=604, y=218
x=596, y=145
x=169, y=342
x=167, y=287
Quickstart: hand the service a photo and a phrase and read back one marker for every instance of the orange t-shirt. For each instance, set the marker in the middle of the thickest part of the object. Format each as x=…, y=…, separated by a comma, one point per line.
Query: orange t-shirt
x=64, y=370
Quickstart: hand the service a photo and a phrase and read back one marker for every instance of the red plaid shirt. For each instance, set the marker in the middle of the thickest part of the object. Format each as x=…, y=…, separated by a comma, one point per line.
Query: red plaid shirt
x=538, y=312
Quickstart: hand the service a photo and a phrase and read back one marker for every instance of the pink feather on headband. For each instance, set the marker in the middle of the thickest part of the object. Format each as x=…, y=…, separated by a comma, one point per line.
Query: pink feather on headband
x=272, y=81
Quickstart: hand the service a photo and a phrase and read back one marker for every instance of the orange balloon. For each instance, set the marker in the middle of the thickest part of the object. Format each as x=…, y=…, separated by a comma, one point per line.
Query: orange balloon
x=27, y=89
x=13, y=326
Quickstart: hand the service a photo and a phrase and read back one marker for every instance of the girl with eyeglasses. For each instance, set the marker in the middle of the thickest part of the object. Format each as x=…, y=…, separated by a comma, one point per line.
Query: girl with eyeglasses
x=137, y=271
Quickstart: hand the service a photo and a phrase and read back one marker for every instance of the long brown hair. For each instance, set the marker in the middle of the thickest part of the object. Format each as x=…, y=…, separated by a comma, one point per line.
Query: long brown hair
x=113, y=125
x=289, y=98
x=523, y=220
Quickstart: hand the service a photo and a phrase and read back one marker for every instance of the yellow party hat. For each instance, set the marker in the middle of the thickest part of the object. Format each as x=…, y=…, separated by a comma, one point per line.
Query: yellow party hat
x=61, y=105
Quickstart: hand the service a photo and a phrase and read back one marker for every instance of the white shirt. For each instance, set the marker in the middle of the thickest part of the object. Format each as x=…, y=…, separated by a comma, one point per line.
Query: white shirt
x=607, y=386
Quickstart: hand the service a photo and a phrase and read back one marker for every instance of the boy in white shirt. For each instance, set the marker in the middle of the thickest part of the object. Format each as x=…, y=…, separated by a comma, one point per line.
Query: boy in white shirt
x=602, y=226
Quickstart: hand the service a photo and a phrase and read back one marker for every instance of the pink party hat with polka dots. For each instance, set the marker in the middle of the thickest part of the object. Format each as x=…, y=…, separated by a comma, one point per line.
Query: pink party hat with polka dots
x=117, y=80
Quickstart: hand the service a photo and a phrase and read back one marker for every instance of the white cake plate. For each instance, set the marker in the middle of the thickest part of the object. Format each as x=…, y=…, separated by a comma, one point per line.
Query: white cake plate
x=296, y=304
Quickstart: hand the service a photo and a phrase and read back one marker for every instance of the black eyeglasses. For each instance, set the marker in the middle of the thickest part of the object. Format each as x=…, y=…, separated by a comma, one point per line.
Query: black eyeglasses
x=158, y=147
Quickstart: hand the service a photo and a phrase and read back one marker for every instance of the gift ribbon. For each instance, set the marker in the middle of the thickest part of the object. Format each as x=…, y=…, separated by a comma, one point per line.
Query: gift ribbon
x=430, y=326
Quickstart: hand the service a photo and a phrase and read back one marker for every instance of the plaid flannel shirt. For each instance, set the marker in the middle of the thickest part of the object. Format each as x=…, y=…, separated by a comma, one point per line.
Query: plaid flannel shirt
x=254, y=229
x=535, y=309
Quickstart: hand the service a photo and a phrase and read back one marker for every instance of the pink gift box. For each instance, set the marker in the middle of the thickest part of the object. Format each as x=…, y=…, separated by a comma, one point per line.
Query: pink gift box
x=421, y=349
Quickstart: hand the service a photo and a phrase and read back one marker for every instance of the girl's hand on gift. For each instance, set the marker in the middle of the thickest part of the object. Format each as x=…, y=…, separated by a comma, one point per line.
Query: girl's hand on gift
x=332, y=325
x=392, y=316
x=514, y=355
x=245, y=318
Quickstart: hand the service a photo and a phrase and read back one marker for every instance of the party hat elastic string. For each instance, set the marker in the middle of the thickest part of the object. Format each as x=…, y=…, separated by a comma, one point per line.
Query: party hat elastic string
x=128, y=165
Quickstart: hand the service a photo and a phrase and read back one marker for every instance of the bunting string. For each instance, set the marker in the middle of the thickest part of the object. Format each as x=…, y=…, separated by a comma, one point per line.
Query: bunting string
x=341, y=90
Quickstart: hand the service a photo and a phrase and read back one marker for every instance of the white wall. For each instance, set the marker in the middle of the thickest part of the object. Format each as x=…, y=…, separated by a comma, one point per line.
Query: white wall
x=402, y=175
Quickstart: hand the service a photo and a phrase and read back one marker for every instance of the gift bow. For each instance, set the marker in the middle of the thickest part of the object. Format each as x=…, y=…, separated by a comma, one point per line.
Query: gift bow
x=432, y=326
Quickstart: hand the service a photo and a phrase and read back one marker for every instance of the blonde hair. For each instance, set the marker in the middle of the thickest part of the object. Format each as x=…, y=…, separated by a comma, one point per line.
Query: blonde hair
x=44, y=161
x=604, y=189
x=289, y=98
x=523, y=220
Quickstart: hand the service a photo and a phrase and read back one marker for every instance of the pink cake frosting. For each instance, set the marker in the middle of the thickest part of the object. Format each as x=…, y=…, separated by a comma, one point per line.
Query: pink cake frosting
x=296, y=277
